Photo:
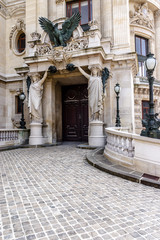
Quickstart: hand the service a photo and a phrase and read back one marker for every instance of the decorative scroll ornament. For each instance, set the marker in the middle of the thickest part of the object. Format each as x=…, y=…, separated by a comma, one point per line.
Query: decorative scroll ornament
x=18, y=27
x=142, y=16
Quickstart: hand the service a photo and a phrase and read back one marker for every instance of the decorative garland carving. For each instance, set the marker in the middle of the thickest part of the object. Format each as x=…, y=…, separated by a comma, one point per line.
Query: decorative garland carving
x=74, y=45
x=141, y=16
x=19, y=26
x=43, y=49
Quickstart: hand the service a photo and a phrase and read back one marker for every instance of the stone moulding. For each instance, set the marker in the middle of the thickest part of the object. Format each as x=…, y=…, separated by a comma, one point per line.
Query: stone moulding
x=18, y=27
x=3, y=10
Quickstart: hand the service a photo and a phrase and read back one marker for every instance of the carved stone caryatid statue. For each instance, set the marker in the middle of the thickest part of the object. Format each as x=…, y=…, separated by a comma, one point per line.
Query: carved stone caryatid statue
x=35, y=97
x=95, y=92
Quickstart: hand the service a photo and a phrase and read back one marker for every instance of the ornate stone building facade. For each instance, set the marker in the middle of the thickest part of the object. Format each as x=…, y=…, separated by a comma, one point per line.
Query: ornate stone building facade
x=115, y=35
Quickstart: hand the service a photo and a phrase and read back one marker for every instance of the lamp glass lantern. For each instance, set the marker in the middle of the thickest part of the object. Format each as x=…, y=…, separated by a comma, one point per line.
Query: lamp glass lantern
x=22, y=96
x=150, y=62
x=117, y=88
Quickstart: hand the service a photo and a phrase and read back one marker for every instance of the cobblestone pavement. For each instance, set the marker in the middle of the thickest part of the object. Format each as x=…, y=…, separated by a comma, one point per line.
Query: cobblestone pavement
x=52, y=193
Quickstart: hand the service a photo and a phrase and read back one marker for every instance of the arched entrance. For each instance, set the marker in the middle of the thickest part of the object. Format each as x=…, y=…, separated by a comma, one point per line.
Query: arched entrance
x=75, y=112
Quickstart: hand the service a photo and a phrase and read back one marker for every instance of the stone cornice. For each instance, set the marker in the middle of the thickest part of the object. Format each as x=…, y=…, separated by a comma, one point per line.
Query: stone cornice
x=11, y=78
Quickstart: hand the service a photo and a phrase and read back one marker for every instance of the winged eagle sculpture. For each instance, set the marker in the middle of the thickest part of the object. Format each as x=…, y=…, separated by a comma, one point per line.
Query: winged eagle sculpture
x=60, y=36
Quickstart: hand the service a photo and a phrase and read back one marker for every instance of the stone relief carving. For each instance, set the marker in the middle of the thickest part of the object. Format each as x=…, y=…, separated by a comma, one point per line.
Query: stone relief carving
x=43, y=49
x=20, y=25
x=75, y=45
x=35, y=38
x=59, y=52
x=59, y=1
x=142, y=16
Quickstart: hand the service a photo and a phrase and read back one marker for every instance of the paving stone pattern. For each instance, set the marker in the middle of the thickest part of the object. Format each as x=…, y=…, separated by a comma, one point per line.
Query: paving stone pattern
x=54, y=194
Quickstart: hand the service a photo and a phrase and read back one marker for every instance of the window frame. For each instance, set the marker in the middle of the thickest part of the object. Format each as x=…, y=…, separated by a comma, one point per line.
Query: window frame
x=69, y=9
x=21, y=49
x=142, y=58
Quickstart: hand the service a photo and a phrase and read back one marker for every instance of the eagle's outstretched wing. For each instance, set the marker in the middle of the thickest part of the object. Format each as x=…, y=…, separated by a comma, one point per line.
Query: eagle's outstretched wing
x=47, y=26
x=70, y=25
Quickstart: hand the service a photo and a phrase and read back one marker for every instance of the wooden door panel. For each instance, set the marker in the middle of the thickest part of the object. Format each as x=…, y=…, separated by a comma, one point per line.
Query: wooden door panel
x=71, y=128
x=75, y=113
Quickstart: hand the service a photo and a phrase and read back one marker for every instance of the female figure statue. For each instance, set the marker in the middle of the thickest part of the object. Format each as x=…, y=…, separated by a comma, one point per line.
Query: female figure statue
x=35, y=97
x=95, y=92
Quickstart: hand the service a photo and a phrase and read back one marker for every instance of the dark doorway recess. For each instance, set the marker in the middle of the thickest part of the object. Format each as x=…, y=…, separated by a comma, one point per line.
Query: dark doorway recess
x=75, y=112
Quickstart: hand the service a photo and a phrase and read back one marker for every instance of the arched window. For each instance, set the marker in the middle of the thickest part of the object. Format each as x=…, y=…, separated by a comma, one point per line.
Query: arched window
x=21, y=44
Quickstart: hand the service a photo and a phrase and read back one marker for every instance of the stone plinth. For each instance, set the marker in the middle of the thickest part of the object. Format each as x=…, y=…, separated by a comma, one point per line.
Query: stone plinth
x=96, y=137
x=36, y=137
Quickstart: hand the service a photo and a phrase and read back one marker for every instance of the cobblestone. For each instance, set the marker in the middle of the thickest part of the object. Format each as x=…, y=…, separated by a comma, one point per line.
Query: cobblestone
x=54, y=194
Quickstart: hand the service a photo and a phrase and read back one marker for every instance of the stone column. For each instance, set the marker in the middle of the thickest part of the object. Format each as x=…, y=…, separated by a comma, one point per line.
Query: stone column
x=96, y=7
x=121, y=26
x=54, y=132
x=34, y=10
x=106, y=11
x=49, y=128
x=157, y=43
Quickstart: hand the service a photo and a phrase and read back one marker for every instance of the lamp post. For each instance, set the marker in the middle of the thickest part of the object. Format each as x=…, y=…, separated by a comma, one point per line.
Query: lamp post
x=22, y=97
x=151, y=123
x=117, y=89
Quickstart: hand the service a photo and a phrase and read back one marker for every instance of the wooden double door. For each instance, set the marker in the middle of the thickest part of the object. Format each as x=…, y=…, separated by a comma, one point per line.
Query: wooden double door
x=75, y=112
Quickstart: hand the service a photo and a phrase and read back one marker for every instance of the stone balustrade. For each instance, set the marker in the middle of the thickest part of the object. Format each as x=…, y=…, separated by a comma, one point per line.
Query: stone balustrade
x=8, y=135
x=120, y=142
x=13, y=136
x=133, y=151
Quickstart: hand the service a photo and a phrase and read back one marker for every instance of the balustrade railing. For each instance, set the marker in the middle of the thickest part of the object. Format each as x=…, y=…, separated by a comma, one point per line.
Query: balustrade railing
x=13, y=136
x=8, y=135
x=120, y=142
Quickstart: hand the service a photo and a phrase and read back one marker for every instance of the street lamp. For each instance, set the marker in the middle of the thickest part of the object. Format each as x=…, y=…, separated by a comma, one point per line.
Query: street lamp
x=117, y=89
x=22, y=97
x=151, y=123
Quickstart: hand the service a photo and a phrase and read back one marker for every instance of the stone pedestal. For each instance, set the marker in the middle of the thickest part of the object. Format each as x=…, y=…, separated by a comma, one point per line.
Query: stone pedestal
x=96, y=137
x=36, y=137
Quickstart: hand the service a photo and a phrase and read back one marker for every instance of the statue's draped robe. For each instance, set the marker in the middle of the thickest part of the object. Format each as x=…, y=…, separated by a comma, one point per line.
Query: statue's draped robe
x=95, y=91
x=35, y=101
